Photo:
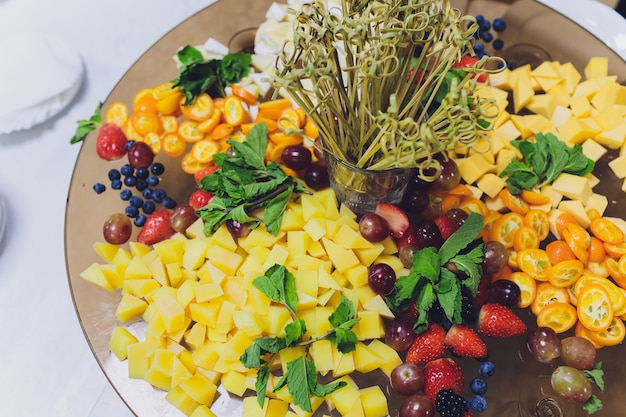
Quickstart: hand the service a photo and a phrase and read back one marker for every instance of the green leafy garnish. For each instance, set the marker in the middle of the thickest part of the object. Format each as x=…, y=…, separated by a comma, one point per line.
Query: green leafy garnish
x=595, y=376
x=198, y=75
x=245, y=183
x=429, y=279
x=87, y=125
x=543, y=161
x=278, y=284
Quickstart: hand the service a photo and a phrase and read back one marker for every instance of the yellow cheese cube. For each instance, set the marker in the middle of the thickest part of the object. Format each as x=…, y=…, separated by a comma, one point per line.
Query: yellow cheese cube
x=200, y=388
x=597, y=67
x=207, y=292
x=130, y=307
x=194, y=255
x=593, y=150
x=205, y=313
x=365, y=360
x=505, y=156
x=560, y=115
x=159, y=373
x=494, y=203
x=341, y=258
x=609, y=119
x=618, y=166
x=374, y=402
x=311, y=207
x=181, y=400
x=522, y=92
x=597, y=202
x=606, y=96
x=138, y=360
x=491, y=184
x=349, y=238
x=369, y=326
x=277, y=318
x=573, y=187
x=501, y=80
x=121, y=338
x=307, y=281
x=322, y=354
x=202, y=411
x=390, y=358
x=172, y=313
x=576, y=209
x=368, y=255
x=573, y=131
x=105, y=250
x=234, y=382
x=343, y=363
x=571, y=76
x=170, y=250
x=378, y=304
x=180, y=372
x=141, y=287
x=580, y=106
x=174, y=274
x=196, y=336
x=249, y=322
x=278, y=255
x=224, y=321
x=543, y=104
x=292, y=220
x=473, y=167
x=136, y=269
x=93, y=273
x=554, y=196
x=344, y=398
x=613, y=138
x=158, y=271
x=297, y=243
x=315, y=228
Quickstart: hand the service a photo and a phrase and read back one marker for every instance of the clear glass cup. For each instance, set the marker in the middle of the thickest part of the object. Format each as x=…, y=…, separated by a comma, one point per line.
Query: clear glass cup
x=522, y=54
x=362, y=189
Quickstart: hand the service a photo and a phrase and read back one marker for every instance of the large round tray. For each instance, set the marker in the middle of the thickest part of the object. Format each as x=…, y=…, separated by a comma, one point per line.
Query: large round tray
x=233, y=23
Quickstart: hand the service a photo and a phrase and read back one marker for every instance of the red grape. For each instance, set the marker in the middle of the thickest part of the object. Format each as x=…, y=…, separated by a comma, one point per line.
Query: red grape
x=237, y=229
x=496, y=257
x=399, y=334
x=381, y=278
x=571, y=384
x=140, y=155
x=407, y=378
x=578, y=352
x=505, y=292
x=406, y=254
x=117, y=229
x=316, y=176
x=427, y=234
x=449, y=176
x=544, y=344
x=373, y=227
x=182, y=217
x=416, y=405
x=457, y=215
x=415, y=201
x=296, y=157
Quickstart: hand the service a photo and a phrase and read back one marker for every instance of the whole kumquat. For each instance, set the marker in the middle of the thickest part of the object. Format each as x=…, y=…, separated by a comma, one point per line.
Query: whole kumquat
x=272, y=109
x=606, y=230
x=562, y=220
x=596, y=250
x=221, y=132
x=534, y=198
x=559, y=250
x=243, y=94
x=471, y=204
x=560, y=317
x=579, y=251
x=145, y=100
x=190, y=165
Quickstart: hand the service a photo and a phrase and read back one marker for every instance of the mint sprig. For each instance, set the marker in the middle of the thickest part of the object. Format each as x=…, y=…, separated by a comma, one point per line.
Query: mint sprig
x=595, y=376
x=244, y=183
x=429, y=279
x=85, y=126
x=278, y=284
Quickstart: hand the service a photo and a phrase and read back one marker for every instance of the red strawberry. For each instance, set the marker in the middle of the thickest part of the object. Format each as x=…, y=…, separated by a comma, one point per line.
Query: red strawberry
x=465, y=342
x=200, y=198
x=467, y=414
x=446, y=226
x=482, y=293
x=156, y=228
x=427, y=345
x=396, y=218
x=111, y=142
x=408, y=238
x=440, y=374
x=500, y=322
x=204, y=172
x=410, y=312
x=468, y=61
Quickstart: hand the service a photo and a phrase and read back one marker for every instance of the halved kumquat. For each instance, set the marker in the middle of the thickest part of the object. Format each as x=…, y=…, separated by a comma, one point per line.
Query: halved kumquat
x=596, y=250
x=616, y=297
x=612, y=335
x=172, y=145
x=538, y=220
x=606, y=230
x=560, y=317
x=200, y=109
x=534, y=197
x=116, y=113
x=503, y=229
x=208, y=125
x=234, y=113
x=548, y=294
x=527, y=286
x=189, y=132
x=582, y=331
x=615, y=250
x=190, y=165
x=534, y=262
x=526, y=237
x=154, y=142
x=243, y=94
x=565, y=273
x=145, y=122
x=594, y=307
x=204, y=149
x=471, y=204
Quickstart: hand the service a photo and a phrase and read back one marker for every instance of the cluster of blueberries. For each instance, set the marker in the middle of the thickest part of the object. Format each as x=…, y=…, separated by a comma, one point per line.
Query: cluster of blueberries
x=485, y=34
x=478, y=386
x=145, y=181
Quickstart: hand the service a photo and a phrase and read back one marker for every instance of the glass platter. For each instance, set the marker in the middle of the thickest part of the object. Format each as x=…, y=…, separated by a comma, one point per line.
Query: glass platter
x=233, y=22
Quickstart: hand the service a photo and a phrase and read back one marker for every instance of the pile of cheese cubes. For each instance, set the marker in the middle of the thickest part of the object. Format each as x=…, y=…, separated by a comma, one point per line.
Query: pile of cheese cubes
x=195, y=295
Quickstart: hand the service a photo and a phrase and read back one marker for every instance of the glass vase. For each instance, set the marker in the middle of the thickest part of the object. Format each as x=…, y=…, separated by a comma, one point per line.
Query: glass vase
x=362, y=189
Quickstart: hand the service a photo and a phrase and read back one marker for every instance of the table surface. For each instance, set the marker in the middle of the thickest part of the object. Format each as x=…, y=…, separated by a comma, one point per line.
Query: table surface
x=48, y=368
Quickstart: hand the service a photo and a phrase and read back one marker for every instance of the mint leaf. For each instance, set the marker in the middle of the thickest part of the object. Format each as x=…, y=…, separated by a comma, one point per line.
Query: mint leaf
x=86, y=126
x=251, y=357
x=451, y=300
x=316, y=388
x=294, y=331
x=471, y=264
x=279, y=285
x=460, y=239
x=235, y=66
x=592, y=405
x=426, y=263
x=596, y=375
x=188, y=55
x=252, y=150
x=296, y=379
x=273, y=214
x=260, y=384
x=403, y=293
x=345, y=311
x=270, y=344
x=345, y=340
x=424, y=301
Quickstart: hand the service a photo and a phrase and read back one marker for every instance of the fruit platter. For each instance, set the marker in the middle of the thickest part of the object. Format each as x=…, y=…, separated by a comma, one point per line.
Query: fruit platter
x=218, y=267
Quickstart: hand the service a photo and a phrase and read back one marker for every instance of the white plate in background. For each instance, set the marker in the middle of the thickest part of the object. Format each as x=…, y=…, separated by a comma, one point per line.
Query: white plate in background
x=41, y=75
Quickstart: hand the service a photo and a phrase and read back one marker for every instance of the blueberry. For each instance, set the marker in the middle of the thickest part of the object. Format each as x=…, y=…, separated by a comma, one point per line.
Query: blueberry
x=499, y=24
x=147, y=194
x=136, y=201
x=153, y=180
x=99, y=188
x=130, y=181
x=129, y=144
x=446, y=324
x=131, y=211
x=478, y=403
x=148, y=207
x=142, y=173
x=141, y=185
x=486, y=368
x=485, y=25
x=487, y=36
x=158, y=195
x=480, y=18
x=116, y=184
x=478, y=386
x=114, y=174
x=140, y=220
x=125, y=195
x=479, y=47
x=169, y=203
x=157, y=168
x=497, y=44
x=127, y=170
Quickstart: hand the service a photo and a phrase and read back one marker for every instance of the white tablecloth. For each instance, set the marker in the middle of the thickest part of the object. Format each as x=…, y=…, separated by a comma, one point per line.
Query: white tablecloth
x=46, y=367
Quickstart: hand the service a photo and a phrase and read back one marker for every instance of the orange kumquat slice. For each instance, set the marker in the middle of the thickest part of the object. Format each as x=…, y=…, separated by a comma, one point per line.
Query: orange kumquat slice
x=560, y=317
